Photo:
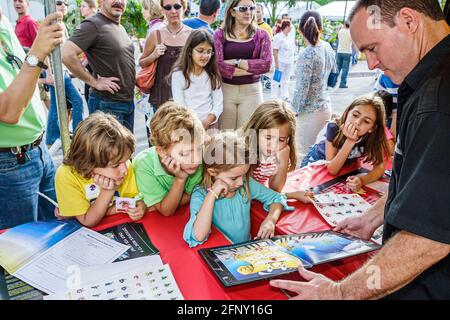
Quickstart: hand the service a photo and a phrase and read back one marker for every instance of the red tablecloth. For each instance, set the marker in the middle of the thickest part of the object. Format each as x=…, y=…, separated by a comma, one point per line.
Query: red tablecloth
x=305, y=217
x=193, y=276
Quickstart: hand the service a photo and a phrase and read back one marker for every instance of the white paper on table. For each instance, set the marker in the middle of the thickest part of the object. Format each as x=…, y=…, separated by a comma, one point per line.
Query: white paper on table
x=48, y=271
x=163, y=284
x=98, y=272
x=349, y=205
x=159, y=285
x=131, y=285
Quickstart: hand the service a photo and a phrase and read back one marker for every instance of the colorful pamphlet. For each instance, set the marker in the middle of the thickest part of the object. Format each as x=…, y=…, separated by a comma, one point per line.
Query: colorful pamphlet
x=44, y=254
x=262, y=259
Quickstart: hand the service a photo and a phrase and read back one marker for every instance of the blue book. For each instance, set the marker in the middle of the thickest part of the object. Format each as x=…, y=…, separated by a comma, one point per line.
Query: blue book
x=277, y=75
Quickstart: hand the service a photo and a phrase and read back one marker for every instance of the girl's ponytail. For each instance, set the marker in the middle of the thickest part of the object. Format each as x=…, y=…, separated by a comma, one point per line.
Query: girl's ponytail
x=311, y=26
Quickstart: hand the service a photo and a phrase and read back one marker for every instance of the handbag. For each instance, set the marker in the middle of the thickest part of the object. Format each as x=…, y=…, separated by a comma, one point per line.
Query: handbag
x=145, y=78
x=333, y=77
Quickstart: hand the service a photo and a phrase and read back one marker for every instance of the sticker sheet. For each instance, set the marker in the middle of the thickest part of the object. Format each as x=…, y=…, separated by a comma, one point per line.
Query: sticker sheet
x=348, y=205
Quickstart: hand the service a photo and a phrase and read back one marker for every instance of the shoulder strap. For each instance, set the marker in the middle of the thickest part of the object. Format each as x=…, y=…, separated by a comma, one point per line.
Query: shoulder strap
x=158, y=36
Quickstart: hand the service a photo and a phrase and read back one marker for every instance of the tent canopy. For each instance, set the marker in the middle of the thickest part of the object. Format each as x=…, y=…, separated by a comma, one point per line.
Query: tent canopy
x=336, y=10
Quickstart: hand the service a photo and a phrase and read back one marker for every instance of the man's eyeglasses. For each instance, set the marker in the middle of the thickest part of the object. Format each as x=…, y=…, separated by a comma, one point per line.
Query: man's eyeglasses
x=176, y=6
x=203, y=52
x=244, y=8
x=60, y=3
x=14, y=61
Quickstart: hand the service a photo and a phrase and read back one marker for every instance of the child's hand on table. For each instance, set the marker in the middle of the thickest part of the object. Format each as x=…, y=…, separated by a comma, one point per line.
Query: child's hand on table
x=138, y=212
x=354, y=183
x=303, y=196
x=266, y=230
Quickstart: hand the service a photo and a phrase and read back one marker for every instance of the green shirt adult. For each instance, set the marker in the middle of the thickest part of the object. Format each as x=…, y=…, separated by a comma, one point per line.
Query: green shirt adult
x=152, y=179
x=32, y=122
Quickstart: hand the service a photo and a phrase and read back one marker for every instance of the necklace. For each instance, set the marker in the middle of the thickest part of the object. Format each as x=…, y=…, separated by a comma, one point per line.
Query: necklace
x=174, y=34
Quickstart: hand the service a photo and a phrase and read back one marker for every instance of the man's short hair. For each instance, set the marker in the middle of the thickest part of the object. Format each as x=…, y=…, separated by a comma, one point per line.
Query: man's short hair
x=284, y=15
x=390, y=8
x=209, y=7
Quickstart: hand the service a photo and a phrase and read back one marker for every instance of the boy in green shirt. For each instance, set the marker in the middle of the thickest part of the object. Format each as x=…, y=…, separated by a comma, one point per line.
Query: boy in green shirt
x=167, y=173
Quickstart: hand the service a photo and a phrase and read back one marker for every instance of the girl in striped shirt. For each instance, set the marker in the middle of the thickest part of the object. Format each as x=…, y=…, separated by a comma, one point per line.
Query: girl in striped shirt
x=271, y=128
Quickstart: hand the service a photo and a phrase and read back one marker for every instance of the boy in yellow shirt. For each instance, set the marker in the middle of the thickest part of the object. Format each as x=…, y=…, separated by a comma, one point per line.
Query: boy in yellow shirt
x=96, y=170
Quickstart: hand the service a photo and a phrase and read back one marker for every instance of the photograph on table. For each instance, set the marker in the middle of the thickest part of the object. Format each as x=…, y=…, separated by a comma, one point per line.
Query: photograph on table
x=339, y=186
x=321, y=247
x=264, y=259
x=346, y=205
x=134, y=236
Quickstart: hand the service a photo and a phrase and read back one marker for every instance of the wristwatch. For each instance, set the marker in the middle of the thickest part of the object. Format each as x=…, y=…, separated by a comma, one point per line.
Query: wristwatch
x=34, y=61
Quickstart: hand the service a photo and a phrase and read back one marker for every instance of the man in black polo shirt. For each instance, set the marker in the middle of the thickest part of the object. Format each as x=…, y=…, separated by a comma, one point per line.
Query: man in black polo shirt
x=410, y=42
x=110, y=53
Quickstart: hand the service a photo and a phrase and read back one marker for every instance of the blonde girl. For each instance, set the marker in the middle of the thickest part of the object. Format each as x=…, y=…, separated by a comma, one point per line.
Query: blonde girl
x=224, y=197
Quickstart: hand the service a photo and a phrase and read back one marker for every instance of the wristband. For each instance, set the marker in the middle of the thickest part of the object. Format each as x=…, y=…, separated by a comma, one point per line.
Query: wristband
x=214, y=193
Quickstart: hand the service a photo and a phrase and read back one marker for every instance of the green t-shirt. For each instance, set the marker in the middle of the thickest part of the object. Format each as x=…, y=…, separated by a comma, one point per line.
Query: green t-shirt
x=153, y=181
x=32, y=122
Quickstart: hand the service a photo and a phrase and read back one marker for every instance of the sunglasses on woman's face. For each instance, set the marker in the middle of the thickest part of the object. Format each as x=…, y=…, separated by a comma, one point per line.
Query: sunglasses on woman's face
x=60, y=3
x=176, y=6
x=244, y=8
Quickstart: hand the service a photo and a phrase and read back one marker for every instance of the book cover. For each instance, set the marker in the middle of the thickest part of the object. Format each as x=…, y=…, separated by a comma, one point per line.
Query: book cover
x=12, y=288
x=42, y=254
x=133, y=235
x=277, y=75
x=263, y=259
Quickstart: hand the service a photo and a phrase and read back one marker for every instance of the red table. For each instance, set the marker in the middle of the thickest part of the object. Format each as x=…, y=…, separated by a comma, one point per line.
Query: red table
x=305, y=217
x=193, y=276
x=195, y=279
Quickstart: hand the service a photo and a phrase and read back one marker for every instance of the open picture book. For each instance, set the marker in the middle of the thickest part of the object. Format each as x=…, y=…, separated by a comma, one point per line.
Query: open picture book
x=263, y=259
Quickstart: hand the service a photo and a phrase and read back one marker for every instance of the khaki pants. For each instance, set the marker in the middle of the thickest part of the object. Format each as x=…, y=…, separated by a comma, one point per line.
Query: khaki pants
x=239, y=103
x=308, y=127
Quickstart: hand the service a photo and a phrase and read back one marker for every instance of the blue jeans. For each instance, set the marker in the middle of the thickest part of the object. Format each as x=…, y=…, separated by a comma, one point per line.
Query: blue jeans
x=19, y=186
x=122, y=110
x=312, y=156
x=343, y=63
x=75, y=98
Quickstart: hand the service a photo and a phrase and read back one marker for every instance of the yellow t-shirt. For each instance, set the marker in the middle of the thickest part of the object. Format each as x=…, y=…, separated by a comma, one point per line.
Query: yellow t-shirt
x=75, y=193
x=268, y=28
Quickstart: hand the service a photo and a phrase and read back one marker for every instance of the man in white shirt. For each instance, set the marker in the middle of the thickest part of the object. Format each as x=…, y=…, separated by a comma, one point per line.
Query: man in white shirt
x=293, y=32
x=344, y=53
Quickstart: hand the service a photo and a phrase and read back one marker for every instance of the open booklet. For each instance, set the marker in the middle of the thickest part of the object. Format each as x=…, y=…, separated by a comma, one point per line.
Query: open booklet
x=262, y=259
x=130, y=234
x=44, y=254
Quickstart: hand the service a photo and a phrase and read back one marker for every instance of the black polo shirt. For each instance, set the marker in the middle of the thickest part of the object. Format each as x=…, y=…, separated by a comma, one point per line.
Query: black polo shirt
x=419, y=192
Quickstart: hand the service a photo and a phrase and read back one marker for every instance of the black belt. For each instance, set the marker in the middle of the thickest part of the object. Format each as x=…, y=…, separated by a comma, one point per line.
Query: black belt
x=24, y=148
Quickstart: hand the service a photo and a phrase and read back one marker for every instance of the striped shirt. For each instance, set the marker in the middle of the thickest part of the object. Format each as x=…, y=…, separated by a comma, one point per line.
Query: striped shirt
x=386, y=84
x=264, y=171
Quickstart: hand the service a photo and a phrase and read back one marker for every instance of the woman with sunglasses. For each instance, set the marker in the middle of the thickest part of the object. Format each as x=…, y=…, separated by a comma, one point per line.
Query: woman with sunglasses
x=244, y=53
x=164, y=45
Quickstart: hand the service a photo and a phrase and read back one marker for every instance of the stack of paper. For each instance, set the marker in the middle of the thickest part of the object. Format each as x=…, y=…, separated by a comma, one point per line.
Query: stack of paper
x=143, y=278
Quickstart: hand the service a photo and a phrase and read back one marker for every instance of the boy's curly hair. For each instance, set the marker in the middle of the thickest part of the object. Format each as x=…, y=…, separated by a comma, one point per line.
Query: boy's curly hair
x=99, y=140
x=172, y=122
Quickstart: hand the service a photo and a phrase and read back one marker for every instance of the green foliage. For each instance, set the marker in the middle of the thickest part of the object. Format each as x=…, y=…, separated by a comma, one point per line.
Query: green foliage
x=133, y=21
x=73, y=17
x=274, y=7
